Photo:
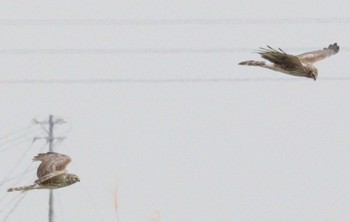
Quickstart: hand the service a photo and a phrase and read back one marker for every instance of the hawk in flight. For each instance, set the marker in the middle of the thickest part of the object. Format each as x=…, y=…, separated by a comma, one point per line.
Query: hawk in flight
x=296, y=65
x=52, y=173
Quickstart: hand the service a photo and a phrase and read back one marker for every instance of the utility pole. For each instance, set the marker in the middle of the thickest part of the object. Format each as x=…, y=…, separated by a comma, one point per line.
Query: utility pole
x=50, y=139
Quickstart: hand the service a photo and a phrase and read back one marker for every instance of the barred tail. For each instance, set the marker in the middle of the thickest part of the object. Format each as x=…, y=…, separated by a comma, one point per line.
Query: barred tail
x=22, y=188
x=252, y=63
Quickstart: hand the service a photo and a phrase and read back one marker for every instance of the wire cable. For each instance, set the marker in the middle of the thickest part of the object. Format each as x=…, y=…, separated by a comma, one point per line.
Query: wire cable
x=5, y=179
x=16, y=138
x=12, y=142
x=163, y=22
x=113, y=51
x=20, y=177
x=16, y=132
x=164, y=81
x=22, y=195
x=77, y=51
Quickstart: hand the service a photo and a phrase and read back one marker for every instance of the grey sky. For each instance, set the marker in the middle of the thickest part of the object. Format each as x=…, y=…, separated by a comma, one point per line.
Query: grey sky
x=273, y=150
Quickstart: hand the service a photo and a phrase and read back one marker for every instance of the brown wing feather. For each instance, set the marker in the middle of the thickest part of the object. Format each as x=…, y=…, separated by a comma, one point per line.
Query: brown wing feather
x=281, y=58
x=314, y=56
x=51, y=162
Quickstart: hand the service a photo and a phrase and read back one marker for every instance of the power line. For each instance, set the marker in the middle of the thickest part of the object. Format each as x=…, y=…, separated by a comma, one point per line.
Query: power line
x=15, y=132
x=19, y=178
x=22, y=195
x=164, y=81
x=163, y=22
x=125, y=51
x=97, y=51
x=6, y=178
x=9, y=141
x=49, y=140
x=12, y=142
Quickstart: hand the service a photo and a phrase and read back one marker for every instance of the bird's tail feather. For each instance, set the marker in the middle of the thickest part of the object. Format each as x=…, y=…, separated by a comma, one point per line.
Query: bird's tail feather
x=22, y=188
x=252, y=63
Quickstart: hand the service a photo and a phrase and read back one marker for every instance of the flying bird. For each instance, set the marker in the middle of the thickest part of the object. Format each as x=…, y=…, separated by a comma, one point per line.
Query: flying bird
x=296, y=65
x=52, y=173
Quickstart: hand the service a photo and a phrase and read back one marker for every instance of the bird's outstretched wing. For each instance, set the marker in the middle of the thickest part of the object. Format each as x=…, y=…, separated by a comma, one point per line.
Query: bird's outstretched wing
x=50, y=176
x=314, y=56
x=51, y=162
x=281, y=58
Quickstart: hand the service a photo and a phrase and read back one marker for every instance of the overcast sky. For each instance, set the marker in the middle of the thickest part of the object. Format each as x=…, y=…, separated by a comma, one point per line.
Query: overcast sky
x=228, y=143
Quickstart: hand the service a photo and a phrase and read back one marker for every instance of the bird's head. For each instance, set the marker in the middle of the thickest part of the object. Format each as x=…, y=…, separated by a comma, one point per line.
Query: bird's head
x=312, y=72
x=72, y=178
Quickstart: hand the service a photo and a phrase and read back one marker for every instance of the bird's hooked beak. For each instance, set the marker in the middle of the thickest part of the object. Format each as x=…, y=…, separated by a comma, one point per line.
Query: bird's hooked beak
x=314, y=76
x=312, y=73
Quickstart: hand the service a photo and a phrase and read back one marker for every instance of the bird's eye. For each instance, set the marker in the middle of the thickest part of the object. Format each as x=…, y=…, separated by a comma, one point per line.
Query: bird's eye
x=311, y=73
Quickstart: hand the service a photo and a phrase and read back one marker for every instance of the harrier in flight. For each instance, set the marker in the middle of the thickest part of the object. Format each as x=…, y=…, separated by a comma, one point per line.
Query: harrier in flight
x=296, y=65
x=52, y=173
